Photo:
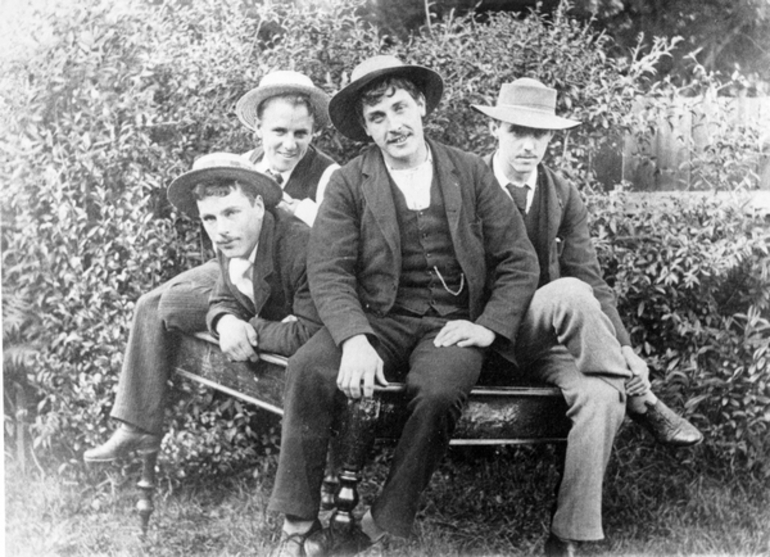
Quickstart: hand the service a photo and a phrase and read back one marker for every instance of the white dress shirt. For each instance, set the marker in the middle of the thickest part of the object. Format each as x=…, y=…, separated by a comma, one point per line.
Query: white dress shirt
x=415, y=183
x=241, y=271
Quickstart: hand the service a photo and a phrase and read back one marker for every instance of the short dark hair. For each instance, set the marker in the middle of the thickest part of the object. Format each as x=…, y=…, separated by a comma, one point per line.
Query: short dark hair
x=295, y=99
x=384, y=87
x=220, y=188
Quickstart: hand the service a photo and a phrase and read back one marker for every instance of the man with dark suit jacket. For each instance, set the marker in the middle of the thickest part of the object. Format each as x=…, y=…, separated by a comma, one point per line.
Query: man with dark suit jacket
x=261, y=301
x=572, y=335
x=283, y=112
x=416, y=266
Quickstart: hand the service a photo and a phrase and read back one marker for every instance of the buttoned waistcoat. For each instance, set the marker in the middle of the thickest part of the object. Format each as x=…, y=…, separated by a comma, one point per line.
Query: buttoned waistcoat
x=354, y=261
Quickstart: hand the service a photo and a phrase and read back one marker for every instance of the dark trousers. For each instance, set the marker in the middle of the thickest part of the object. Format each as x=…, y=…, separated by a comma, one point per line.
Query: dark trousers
x=438, y=382
x=179, y=304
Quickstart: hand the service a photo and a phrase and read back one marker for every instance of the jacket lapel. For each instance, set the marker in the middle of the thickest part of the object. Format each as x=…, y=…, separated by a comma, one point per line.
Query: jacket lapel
x=554, y=204
x=446, y=173
x=379, y=198
x=263, y=264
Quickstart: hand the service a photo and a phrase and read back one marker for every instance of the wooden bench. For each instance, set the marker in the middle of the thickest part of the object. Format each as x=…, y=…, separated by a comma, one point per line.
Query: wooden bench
x=497, y=413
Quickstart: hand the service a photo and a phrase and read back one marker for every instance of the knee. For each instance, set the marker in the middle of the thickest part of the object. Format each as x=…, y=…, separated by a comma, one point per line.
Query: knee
x=439, y=399
x=597, y=400
x=566, y=298
x=567, y=291
x=309, y=369
x=148, y=303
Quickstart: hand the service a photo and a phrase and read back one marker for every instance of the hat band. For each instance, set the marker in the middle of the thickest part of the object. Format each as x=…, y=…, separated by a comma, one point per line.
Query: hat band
x=534, y=107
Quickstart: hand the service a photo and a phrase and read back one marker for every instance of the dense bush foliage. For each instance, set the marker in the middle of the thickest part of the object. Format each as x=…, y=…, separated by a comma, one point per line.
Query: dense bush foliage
x=109, y=103
x=693, y=280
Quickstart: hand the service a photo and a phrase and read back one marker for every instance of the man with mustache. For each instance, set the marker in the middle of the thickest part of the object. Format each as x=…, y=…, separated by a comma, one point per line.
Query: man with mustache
x=416, y=266
x=284, y=112
x=571, y=335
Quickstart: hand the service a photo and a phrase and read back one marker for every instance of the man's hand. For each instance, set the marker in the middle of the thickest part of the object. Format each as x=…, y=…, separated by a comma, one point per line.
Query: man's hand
x=237, y=339
x=463, y=334
x=289, y=204
x=639, y=382
x=360, y=364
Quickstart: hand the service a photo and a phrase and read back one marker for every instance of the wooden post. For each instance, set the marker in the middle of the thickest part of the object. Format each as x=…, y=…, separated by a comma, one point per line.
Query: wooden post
x=358, y=432
x=146, y=485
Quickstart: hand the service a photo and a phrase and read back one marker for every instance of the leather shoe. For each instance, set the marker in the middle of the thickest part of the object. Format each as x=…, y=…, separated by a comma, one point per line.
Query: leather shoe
x=558, y=547
x=122, y=442
x=337, y=541
x=666, y=426
x=293, y=545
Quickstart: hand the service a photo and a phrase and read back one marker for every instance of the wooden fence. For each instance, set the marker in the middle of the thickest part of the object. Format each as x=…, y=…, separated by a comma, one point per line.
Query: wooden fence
x=694, y=142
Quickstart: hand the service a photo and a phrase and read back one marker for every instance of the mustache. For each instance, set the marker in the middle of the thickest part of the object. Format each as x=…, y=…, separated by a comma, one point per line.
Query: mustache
x=398, y=134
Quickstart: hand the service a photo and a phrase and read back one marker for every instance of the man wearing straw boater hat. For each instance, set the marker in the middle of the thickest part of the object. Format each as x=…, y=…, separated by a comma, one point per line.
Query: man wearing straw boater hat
x=283, y=112
x=261, y=300
x=416, y=265
x=571, y=335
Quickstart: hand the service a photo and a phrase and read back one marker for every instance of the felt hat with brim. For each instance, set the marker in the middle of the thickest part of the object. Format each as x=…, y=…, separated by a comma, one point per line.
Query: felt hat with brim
x=528, y=103
x=343, y=106
x=221, y=166
x=278, y=83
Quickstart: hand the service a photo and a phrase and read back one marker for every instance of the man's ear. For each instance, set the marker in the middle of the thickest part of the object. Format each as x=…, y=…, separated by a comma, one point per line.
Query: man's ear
x=494, y=125
x=259, y=202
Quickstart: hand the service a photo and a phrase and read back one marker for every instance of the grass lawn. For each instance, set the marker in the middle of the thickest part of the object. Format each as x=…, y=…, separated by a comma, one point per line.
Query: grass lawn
x=481, y=502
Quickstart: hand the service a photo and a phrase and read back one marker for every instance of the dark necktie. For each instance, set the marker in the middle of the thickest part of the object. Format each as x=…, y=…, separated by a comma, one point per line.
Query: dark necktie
x=275, y=176
x=519, y=195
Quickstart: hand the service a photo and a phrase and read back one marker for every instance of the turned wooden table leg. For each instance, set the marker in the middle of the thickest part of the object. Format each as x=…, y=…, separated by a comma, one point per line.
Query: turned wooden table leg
x=146, y=485
x=331, y=482
x=357, y=437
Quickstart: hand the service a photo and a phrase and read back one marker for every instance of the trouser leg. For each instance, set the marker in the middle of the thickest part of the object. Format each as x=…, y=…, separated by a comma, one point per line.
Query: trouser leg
x=565, y=312
x=311, y=399
x=143, y=379
x=596, y=410
x=438, y=383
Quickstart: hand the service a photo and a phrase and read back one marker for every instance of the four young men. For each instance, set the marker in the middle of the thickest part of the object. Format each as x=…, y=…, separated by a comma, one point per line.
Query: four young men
x=420, y=268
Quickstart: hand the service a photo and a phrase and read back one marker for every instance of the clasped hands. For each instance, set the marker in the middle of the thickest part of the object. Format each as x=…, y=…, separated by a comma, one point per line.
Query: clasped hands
x=361, y=367
x=238, y=339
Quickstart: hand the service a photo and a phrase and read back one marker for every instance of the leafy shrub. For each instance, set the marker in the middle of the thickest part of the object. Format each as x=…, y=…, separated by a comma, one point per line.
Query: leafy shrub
x=112, y=102
x=693, y=278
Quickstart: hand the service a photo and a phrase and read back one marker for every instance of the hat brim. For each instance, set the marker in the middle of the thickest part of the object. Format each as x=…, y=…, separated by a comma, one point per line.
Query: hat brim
x=247, y=105
x=343, y=109
x=180, y=192
x=520, y=116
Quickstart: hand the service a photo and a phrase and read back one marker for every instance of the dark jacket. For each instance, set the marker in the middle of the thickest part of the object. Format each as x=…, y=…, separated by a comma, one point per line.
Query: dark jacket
x=280, y=288
x=354, y=262
x=303, y=182
x=570, y=250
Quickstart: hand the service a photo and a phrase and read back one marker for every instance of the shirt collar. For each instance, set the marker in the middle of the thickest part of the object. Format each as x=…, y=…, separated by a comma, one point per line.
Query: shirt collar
x=261, y=166
x=427, y=162
x=499, y=170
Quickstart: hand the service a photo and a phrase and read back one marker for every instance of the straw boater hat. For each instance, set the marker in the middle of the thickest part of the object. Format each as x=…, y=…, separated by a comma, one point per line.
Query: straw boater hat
x=278, y=83
x=342, y=107
x=227, y=166
x=527, y=102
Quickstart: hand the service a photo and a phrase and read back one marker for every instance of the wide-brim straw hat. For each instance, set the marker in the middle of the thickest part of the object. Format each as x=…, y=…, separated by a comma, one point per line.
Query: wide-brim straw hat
x=279, y=83
x=527, y=102
x=217, y=166
x=343, y=106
